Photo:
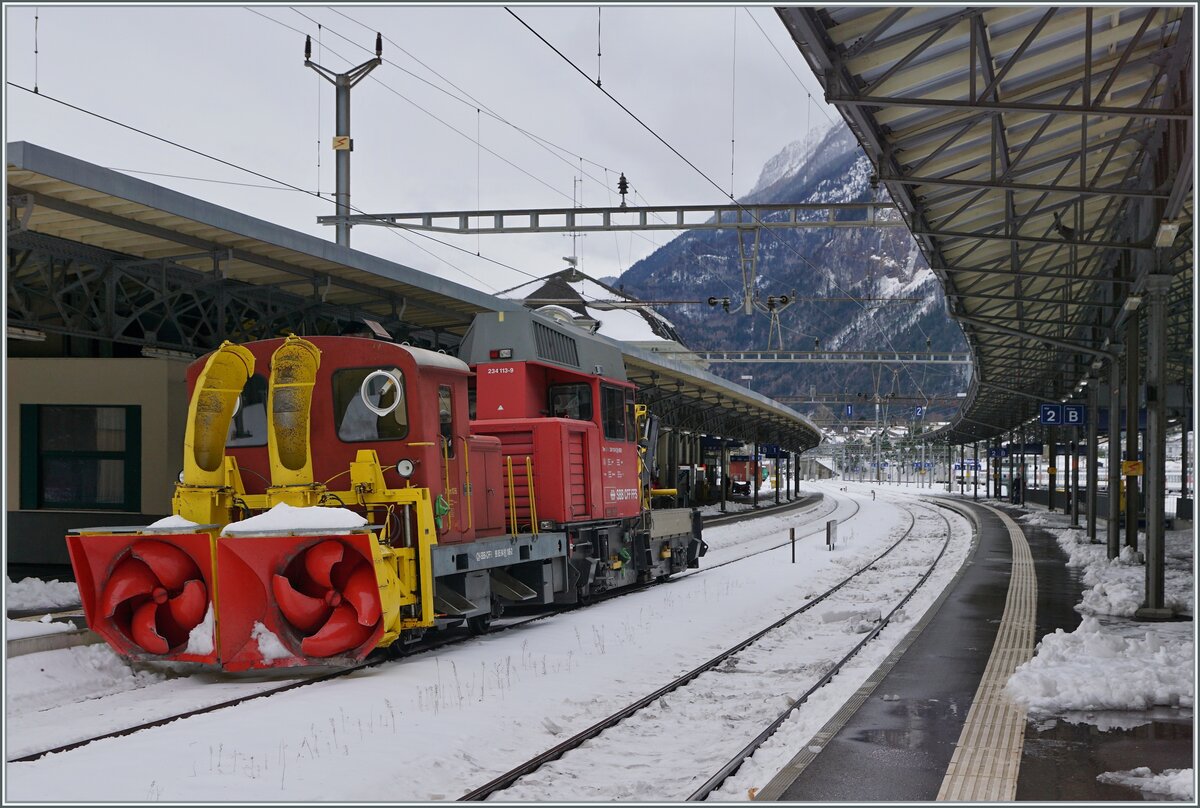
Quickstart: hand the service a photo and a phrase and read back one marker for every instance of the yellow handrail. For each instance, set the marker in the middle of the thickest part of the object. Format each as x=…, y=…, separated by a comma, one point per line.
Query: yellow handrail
x=533, y=520
x=512, y=500
x=446, y=465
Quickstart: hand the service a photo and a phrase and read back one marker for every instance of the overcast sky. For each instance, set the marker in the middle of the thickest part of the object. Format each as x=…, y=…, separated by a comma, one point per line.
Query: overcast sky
x=229, y=81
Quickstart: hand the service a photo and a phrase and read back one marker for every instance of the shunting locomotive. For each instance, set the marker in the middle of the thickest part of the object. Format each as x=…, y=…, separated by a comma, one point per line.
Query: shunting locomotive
x=342, y=494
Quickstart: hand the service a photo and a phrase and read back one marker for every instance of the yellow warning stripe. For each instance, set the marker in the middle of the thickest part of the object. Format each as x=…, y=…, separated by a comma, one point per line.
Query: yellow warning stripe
x=987, y=756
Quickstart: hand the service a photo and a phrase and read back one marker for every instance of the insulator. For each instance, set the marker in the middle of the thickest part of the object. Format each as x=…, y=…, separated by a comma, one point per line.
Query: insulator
x=307, y=48
x=712, y=301
x=378, y=44
x=622, y=185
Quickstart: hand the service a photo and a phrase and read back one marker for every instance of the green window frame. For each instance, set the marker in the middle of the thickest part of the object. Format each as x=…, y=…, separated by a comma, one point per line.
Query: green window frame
x=70, y=473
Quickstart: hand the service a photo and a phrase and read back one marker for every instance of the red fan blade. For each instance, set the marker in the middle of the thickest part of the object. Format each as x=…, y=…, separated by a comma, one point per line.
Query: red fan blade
x=319, y=561
x=130, y=579
x=188, y=607
x=303, y=612
x=171, y=565
x=144, y=629
x=341, y=632
x=362, y=592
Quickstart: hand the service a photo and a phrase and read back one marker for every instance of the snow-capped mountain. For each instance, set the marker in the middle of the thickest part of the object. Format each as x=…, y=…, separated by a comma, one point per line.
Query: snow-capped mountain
x=857, y=288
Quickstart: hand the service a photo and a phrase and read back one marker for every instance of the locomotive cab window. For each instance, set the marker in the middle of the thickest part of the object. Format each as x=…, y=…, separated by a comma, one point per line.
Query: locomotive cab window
x=612, y=410
x=248, y=427
x=369, y=404
x=571, y=401
x=446, y=417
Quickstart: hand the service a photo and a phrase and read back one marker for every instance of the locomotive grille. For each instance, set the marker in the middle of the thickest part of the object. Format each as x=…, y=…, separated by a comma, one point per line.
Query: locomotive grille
x=555, y=347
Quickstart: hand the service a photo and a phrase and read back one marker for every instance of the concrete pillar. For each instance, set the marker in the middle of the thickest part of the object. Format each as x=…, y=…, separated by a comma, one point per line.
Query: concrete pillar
x=754, y=471
x=1132, y=420
x=1012, y=461
x=1074, y=461
x=1156, y=448
x=1093, y=454
x=777, y=483
x=1052, y=471
x=1114, y=457
x=1024, y=465
x=975, y=489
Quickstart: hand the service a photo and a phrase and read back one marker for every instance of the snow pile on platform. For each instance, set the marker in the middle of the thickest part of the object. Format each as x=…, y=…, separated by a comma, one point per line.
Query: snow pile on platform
x=284, y=517
x=34, y=593
x=1118, y=586
x=1177, y=784
x=1100, y=667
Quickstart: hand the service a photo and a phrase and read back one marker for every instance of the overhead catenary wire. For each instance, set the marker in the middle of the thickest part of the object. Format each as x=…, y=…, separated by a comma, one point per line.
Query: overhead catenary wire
x=400, y=95
x=467, y=98
x=695, y=168
x=36, y=13
x=547, y=145
x=283, y=183
x=786, y=63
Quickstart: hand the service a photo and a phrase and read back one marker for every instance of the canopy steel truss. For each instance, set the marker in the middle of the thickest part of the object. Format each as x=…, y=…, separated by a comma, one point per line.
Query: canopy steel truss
x=64, y=287
x=1042, y=157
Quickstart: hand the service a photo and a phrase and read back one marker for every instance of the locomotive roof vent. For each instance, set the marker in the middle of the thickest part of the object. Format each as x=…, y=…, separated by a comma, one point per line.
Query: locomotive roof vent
x=554, y=346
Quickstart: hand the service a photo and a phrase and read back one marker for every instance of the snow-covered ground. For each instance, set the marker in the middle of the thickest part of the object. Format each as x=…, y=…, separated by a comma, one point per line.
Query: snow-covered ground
x=33, y=593
x=1113, y=663
x=433, y=726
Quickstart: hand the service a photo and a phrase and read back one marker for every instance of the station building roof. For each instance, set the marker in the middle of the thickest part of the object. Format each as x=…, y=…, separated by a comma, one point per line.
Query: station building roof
x=1043, y=159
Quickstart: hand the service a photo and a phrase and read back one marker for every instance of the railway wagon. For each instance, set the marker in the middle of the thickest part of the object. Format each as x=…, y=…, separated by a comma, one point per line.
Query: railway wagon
x=341, y=495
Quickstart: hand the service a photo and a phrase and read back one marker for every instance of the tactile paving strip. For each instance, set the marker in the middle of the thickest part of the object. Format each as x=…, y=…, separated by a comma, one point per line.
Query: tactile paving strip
x=987, y=756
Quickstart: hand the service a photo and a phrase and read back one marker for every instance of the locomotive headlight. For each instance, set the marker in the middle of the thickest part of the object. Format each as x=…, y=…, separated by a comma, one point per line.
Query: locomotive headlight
x=500, y=353
x=405, y=468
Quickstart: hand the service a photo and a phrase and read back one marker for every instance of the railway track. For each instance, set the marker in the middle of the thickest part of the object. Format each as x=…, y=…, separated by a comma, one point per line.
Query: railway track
x=657, y=733
x=267, y=689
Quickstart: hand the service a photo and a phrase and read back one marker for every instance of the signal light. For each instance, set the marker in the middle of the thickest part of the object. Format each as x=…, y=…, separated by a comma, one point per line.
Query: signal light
x=500, y=353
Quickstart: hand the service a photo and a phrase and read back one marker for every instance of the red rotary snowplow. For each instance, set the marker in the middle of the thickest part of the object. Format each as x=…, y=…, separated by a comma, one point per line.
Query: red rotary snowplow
x=299, y=584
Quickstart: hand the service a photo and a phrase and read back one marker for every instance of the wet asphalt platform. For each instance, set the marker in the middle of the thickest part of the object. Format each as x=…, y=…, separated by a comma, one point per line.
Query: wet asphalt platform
x=899, y=743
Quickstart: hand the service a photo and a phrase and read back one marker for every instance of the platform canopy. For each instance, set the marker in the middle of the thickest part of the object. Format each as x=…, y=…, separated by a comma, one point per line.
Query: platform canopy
x=94, y=253
x=1043, y=159
x=113, y=226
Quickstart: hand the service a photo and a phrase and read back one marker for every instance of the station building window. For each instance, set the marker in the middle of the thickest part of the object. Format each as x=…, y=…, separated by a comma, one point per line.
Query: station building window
x=78, y=457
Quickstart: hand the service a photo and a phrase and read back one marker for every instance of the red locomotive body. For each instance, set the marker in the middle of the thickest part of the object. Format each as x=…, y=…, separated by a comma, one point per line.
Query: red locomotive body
x=428, y=426
x=579, y=428
x=377, y=508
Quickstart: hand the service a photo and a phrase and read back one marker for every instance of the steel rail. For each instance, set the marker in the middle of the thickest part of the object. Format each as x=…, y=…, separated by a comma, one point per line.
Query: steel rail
x=533, y=764
x=376, y=660
x=734, y=763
